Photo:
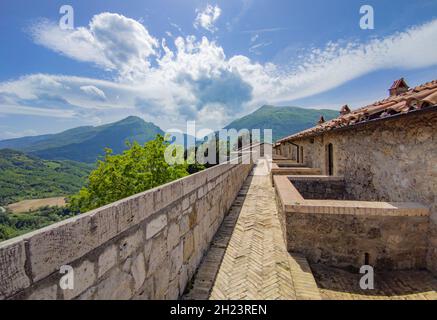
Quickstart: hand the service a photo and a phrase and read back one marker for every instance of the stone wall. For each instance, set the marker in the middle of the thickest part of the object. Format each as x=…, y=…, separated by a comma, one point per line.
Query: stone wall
x=321, y=187
x=343, y=240
x=341, y=233
x=147, y=246
x=392, y=160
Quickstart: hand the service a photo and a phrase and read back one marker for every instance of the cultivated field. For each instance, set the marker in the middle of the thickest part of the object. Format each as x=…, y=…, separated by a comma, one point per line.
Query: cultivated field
x=26, y=205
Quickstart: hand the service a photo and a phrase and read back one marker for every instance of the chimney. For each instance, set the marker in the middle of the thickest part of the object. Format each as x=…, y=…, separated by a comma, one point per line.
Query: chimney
x=321, y=120
x=398, y=87
x=345, y=110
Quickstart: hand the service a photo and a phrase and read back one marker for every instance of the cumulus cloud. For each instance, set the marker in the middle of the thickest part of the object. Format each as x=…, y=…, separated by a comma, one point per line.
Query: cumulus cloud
x=207, y=17
x=195, y=80
x=111, y=41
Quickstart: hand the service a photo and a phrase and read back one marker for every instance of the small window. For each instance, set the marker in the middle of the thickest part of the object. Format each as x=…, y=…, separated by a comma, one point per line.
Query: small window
x=330, y=159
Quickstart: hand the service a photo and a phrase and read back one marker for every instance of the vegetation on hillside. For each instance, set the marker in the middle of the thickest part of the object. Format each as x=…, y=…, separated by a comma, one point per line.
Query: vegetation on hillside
x=15, y=224
x=137, y=169
x=28, y=177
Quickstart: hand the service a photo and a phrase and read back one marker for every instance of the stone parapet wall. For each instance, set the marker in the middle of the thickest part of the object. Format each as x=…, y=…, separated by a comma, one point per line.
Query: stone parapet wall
x=321, y=187
x=341, y=233
x=147, y=246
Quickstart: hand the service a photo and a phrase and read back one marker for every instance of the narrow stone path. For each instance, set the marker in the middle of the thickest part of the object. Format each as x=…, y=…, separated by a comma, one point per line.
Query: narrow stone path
x=248, y=257
x=248, y=260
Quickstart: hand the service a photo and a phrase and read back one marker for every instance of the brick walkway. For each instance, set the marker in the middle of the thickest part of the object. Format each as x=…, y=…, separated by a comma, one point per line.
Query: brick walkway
x=248, y=258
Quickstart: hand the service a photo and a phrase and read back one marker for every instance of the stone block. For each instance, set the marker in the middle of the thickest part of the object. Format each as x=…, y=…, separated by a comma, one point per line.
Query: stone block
x=118, y=285
x=128, y=213
x=146, y=204
x=129, y=244
x=44, y=293
x=107, y=260
x=138, y=271
x=13, y=276
x=156, y=225
x=177, y=259
x=158, y=255
x=173, y=236
x=84, y=278
x=188, y=246
x=161, y=281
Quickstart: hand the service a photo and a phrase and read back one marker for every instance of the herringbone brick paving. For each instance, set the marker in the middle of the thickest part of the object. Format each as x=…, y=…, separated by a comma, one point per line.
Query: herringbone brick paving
x=248, y=257
x=248, y=260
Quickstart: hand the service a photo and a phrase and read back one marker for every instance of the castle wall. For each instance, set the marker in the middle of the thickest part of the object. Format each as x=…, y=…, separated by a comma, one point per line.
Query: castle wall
x=147, y=246
x=394, y=160
x=388, y=236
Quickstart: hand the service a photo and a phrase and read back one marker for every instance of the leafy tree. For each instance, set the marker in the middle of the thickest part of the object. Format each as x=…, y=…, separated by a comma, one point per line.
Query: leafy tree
x=137, y=169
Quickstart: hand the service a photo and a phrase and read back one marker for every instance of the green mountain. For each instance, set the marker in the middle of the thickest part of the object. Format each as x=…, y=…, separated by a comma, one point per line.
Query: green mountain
x=283, y=121
x=85, y=144
x=28, y=177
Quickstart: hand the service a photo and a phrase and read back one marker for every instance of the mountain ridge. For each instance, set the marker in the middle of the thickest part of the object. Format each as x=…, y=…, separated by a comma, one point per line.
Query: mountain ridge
x=283, y=120
x=86, y=143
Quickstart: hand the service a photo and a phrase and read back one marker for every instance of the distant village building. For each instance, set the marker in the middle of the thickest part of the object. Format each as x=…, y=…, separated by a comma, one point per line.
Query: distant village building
x=385, y=151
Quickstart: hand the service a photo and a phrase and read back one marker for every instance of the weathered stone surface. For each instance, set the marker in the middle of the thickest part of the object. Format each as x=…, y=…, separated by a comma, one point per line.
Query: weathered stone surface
x=161, y=282
x=12, y=270
x=173, y=236
x=139, y=271
x=129, y=244
x=117, y=286
x=158, y=255
x=177, y=259
x=156, y=225
x=44, y=293
x=61, y=243
x=84, y=277
x=146, y=205
x=188, y=246
x=107, y=260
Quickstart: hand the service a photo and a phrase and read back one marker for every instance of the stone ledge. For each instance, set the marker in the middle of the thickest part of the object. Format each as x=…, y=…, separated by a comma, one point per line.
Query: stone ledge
x=292, y=201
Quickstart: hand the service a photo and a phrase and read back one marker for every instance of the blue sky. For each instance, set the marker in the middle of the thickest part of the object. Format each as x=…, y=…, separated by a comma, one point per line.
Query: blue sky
x=209, y=61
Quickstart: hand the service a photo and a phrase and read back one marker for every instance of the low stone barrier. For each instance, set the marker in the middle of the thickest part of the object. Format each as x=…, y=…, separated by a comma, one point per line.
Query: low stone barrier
x=321, y=187
x=386, y=235
x=147, y=246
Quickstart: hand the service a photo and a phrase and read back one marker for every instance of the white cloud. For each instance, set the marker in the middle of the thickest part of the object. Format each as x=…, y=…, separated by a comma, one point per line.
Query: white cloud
x=93, y=92
x=207, y=17
x=111, y=41
x=194, y=81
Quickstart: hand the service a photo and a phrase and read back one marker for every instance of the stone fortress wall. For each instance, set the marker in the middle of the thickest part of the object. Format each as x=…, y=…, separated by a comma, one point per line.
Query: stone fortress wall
x=392, y=160
x=147, y=246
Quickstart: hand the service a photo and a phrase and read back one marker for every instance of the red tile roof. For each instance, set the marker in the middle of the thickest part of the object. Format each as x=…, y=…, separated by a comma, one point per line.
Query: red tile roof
x=414, y=99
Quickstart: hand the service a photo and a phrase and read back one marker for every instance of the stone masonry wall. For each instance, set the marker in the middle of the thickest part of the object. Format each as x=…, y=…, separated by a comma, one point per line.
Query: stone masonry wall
x=321, y=188
x=147, y=246
x=342, y=240
x=393, y=160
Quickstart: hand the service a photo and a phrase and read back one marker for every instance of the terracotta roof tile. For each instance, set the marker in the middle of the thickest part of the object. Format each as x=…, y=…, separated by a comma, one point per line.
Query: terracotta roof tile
x=414, y=99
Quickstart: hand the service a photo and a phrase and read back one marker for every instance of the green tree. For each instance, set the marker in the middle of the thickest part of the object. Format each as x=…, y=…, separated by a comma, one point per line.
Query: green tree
x=119, y=176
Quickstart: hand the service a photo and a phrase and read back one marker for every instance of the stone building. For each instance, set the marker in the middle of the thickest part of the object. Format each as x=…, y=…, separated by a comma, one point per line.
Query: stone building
x=385, y=151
